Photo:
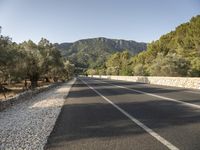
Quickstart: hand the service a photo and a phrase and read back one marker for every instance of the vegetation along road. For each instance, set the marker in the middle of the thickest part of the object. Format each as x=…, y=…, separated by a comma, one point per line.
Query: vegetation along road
x=48, y=101
x=108, y=114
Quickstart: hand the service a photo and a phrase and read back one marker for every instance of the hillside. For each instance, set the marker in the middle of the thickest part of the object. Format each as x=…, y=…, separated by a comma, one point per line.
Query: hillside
x=176, y=53
x=93, y=52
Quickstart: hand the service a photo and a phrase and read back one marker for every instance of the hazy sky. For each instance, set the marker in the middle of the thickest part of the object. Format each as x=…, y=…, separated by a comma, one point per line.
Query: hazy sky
x=71, y=20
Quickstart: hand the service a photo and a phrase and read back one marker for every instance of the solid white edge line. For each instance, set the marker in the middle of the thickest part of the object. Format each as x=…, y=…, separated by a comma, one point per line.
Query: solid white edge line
x=193, y=92
x=154, y=95
x=147, y=129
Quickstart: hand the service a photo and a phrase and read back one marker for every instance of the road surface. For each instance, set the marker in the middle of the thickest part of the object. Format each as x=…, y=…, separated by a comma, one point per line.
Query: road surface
x=114, y=115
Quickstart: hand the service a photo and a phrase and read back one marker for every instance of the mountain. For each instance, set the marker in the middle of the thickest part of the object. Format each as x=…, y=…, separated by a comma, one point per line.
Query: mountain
x=93, y=52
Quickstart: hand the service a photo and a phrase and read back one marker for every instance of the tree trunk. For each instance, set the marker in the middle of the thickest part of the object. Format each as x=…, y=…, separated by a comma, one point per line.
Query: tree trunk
x=3, y=90
x=55, y=79
x=25, y=85
x=34, y=79
x=34, y=84
x=47, y=79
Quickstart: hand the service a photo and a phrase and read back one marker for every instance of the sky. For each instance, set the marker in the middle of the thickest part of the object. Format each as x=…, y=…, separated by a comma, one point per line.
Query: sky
x=71, y=20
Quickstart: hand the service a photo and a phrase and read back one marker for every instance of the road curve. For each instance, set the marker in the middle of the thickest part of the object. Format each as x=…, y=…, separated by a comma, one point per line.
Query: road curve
x=115, y=115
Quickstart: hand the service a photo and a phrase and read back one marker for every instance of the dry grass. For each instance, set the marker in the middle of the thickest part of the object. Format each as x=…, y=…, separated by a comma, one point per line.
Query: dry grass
x=16, y=88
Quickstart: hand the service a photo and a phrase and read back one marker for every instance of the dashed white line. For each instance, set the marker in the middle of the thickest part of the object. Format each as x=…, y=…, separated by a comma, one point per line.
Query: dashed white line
x=154, y=95
x=143, y=126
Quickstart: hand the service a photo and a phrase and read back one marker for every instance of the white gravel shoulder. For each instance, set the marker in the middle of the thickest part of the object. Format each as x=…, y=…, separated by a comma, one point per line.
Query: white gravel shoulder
x=27, y=125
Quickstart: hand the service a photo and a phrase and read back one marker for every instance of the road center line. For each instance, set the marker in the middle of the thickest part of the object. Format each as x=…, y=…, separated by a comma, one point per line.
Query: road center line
x=154, y=95
x=147, y=129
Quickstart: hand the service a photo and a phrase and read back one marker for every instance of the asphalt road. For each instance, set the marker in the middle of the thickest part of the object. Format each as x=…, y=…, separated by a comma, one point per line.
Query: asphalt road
x=115, y=115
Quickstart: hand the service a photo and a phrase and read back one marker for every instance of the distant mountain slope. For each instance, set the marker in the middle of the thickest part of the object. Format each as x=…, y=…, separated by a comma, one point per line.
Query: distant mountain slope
x=93, y=52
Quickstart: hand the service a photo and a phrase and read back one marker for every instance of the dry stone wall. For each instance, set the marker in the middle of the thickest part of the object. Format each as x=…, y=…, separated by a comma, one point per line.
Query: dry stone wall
x=184, y=82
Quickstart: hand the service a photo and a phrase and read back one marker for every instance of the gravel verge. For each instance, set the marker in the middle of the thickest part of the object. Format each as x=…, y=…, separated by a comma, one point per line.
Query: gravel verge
x=25, y=96
x=27, y=125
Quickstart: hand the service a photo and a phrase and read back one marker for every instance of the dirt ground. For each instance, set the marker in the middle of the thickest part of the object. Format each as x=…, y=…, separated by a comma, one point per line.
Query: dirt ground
x=16, y=88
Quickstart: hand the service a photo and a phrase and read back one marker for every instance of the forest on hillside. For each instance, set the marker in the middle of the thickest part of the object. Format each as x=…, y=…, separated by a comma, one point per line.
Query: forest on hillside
x=174, y=54
x=92, y=52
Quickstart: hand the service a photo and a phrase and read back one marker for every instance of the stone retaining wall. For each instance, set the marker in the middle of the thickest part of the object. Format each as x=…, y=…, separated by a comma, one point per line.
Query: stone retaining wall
x=184, y=82
x=25, y=95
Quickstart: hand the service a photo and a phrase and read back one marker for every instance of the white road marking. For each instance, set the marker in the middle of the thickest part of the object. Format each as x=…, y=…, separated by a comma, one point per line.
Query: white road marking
x=154, y=95
x=143, y=126
x=194, y=92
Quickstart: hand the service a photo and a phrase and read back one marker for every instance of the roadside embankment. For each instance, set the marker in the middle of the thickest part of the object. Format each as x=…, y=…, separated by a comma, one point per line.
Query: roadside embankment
x=184, y=82
x=25, y=95
x=28, y=124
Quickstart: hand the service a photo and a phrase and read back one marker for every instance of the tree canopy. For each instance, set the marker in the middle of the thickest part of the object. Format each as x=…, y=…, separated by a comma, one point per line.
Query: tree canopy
x=175, y=54
x=32, y=61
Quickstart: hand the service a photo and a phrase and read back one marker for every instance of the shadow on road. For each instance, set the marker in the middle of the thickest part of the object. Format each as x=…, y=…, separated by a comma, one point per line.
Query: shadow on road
x=85, y=116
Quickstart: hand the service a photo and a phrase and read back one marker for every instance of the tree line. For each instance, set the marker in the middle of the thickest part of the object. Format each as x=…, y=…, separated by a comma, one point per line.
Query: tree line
x=174, y=54
x=31, y=61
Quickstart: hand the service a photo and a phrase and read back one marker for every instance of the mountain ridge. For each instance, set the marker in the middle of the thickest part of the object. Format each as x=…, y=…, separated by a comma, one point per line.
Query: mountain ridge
x=92, y=52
